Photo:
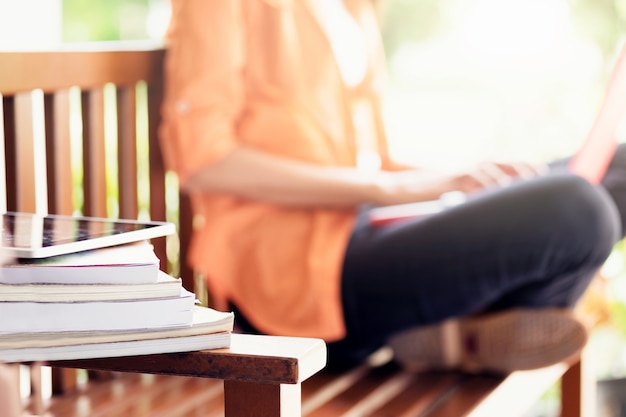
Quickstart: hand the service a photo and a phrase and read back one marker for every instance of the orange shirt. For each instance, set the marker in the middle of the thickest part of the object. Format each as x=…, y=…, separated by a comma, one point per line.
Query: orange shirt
x=262, y=73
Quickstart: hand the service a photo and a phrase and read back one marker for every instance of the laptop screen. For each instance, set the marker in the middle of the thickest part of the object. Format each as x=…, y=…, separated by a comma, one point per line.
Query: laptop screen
x=593, y=158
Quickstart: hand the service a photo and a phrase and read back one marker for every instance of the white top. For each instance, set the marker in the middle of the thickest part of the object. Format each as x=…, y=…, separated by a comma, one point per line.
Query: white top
x=348, y=41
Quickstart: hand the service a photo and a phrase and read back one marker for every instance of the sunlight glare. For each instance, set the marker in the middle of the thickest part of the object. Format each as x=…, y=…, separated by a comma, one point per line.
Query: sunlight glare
x=510, y=35
x=157, y=19
x=30, y=24
x=528, y=28
x=504, y=79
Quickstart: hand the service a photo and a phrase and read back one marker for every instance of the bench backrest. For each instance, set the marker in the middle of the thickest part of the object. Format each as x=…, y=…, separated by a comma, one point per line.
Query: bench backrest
x=72, y=118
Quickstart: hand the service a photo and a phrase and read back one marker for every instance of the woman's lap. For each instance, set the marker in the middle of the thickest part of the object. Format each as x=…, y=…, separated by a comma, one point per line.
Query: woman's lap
x=536, y=243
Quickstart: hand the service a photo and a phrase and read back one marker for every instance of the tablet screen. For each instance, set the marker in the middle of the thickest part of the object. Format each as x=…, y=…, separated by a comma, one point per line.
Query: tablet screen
x=27, y=235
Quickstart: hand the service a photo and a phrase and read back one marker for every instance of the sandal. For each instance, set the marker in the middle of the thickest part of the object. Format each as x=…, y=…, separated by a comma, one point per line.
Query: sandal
x=498, y=342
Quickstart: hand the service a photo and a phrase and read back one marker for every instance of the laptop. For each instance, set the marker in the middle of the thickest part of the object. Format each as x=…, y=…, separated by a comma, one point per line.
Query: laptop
x=590, y=161
x=593, y=158
x=28, y=235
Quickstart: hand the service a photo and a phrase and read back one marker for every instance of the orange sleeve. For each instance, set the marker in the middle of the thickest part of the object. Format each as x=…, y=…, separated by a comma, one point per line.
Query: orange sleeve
x=203, y=85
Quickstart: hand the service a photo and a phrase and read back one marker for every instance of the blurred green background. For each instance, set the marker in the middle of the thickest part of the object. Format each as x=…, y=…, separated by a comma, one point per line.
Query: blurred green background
x=487, y=78
x=109, y=20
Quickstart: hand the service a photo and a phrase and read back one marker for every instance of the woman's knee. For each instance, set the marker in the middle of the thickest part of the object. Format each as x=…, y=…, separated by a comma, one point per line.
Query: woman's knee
x=589, y=214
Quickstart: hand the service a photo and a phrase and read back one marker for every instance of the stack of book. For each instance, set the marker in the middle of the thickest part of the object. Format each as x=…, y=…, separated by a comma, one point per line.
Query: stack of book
x=105, y=302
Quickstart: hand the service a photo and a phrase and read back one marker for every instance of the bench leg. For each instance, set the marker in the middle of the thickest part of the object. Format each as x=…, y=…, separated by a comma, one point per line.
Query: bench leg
x=251, y=399
x=63, y=380
x=578, y=391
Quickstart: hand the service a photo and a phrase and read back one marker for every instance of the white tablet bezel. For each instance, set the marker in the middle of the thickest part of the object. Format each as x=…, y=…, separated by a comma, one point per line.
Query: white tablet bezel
x=146, y=230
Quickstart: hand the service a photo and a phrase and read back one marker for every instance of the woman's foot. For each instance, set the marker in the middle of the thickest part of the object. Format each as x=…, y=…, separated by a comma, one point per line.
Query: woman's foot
x=498, y=342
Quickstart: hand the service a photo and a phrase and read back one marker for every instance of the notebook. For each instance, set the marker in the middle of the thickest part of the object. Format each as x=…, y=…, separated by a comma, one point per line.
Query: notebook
x=28, y=235
x=590, y=161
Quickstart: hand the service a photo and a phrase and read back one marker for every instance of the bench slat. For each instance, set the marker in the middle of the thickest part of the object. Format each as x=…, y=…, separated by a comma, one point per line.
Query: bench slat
x=419, y=396
x=59, y=155
x=127, y=152
x=158, y=195
x=94, y=153
x=29, y=172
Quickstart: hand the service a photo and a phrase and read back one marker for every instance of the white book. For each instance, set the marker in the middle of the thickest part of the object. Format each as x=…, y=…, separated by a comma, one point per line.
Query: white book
x=123, y=264
x=165, y=286
x=205, y=321
x=210, y=329
x=17, y=317
x=118, y=349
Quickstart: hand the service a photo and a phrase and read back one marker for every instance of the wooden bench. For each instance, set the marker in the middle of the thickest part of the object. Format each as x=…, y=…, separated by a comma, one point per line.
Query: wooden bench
x=74, y=97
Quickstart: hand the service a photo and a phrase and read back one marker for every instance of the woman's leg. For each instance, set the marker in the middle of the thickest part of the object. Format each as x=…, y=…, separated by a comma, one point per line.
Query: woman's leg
x=614, y=183
x=533, y=244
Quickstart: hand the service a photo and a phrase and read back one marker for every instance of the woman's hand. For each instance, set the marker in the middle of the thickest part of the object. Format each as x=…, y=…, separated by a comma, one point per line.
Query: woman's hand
x=425, y=184
x=490, y=174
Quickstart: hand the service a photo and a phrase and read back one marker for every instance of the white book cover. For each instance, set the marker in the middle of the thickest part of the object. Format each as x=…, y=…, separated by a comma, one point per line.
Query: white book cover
x=17, y=317
x=118, y=349
x=123, y=264
x=205, y=321
x=165, y=286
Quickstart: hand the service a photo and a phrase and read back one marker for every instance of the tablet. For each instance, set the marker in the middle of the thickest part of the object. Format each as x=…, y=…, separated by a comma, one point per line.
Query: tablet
x=28, y=235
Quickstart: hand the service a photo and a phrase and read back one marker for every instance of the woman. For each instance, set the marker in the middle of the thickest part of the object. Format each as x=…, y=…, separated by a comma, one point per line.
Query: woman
x=272, y=122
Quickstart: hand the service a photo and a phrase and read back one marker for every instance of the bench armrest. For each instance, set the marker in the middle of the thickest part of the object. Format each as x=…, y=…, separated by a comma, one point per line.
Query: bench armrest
x=251, y=358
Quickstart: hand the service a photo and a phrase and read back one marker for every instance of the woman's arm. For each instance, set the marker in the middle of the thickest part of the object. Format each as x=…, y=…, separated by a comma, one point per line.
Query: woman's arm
x=258, y=175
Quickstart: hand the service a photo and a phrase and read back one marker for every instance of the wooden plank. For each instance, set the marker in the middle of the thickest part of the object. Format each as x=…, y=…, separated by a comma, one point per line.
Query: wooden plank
x=64, y=381
x=464, y=396
x=490, y=395
x=3, y=166
x=578, y=389
x=571, y=392
x=3, y=178
x=94, y=164
x=127, y=152
x=8, y=109
x=250, y=399
x=197, y=397
x=158, y=208
x=30, y=180
x=59, y=162
x=146, y=395
x=157, y=166
x=87, y=68
x=357, y=386
x=252, y=358
x=185, y=230
x=421, y=395
x=329, y=383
